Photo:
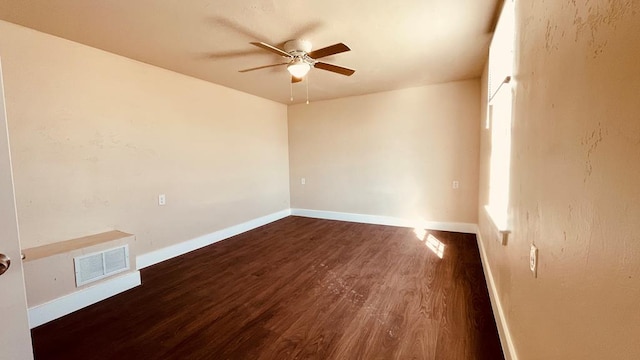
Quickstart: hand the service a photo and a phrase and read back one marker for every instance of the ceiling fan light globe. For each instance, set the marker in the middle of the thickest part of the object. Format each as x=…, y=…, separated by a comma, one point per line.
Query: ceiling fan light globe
x=298, y=69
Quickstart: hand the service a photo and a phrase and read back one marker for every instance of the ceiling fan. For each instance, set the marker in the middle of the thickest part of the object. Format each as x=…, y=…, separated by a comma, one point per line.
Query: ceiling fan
x=300, y=58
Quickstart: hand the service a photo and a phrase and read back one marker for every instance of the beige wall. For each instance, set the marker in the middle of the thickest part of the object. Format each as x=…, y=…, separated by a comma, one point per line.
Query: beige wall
x=575, y=183
x=96, y=137
x=393, y=153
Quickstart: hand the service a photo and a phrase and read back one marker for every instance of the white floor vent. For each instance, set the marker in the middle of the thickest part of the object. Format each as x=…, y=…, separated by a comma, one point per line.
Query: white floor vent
x=96, y=266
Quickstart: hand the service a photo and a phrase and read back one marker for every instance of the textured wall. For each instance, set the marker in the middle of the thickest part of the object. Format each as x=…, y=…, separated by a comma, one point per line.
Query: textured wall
x=574, y=183
x=96, y=137
x=393, y=153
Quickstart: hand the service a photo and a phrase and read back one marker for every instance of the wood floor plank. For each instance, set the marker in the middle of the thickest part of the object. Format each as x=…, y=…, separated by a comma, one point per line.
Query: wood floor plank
x=297, y=288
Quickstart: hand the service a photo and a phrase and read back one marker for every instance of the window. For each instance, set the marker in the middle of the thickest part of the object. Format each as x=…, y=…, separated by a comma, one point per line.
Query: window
x=499, y=114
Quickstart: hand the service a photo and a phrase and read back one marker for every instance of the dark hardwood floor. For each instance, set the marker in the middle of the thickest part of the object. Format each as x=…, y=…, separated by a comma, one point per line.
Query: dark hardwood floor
x=298, y=288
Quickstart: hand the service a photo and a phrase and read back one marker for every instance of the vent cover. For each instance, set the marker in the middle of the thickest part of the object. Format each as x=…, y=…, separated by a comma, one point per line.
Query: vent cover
x=96, y=266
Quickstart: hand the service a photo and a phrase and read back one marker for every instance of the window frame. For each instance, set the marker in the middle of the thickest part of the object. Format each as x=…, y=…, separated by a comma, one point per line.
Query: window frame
x=499, y=118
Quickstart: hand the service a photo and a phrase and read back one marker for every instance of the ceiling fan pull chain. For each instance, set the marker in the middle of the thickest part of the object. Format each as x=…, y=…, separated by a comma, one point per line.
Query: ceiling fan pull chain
x=307, y=82
x=291, y=90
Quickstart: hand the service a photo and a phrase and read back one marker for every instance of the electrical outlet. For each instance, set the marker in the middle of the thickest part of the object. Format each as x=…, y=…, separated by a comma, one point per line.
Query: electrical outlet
x=533, y=260
x=162, y=199
x=303, y=181
x=455, y=184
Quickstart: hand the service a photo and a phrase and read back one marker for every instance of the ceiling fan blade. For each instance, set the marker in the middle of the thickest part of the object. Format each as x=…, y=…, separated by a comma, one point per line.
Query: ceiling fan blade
x=334, y=68
x=273, y=49
x=262, y=67
x=295, y=80
x=329, y=50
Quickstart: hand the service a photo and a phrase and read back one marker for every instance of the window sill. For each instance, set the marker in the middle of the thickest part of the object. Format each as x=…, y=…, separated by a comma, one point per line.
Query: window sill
x=499, y=222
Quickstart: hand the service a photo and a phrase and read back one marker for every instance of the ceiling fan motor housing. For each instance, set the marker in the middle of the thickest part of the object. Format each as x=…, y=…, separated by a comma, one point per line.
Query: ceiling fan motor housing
x=297, y=47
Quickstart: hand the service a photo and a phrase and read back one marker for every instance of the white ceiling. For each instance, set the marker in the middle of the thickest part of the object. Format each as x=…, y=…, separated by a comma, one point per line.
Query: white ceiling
x=394, y=44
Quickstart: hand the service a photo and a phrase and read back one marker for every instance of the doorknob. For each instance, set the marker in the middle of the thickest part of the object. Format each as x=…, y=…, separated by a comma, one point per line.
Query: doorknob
x=5, y=262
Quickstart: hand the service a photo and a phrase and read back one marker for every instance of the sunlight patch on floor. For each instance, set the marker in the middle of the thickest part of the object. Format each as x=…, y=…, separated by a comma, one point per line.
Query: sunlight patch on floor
x=432, y=242
x=435, y=245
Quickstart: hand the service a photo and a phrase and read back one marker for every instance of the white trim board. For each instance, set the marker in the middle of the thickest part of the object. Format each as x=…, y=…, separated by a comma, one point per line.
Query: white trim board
x=498, y=312
x=386, y=220
x=166, y=253
x=42, y=314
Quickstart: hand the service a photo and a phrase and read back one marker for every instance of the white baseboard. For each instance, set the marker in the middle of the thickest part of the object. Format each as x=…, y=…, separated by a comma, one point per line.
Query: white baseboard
x=386, y=220
x=498, y=313
x=172, y=251
x=67, y=304
x=42, y=314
